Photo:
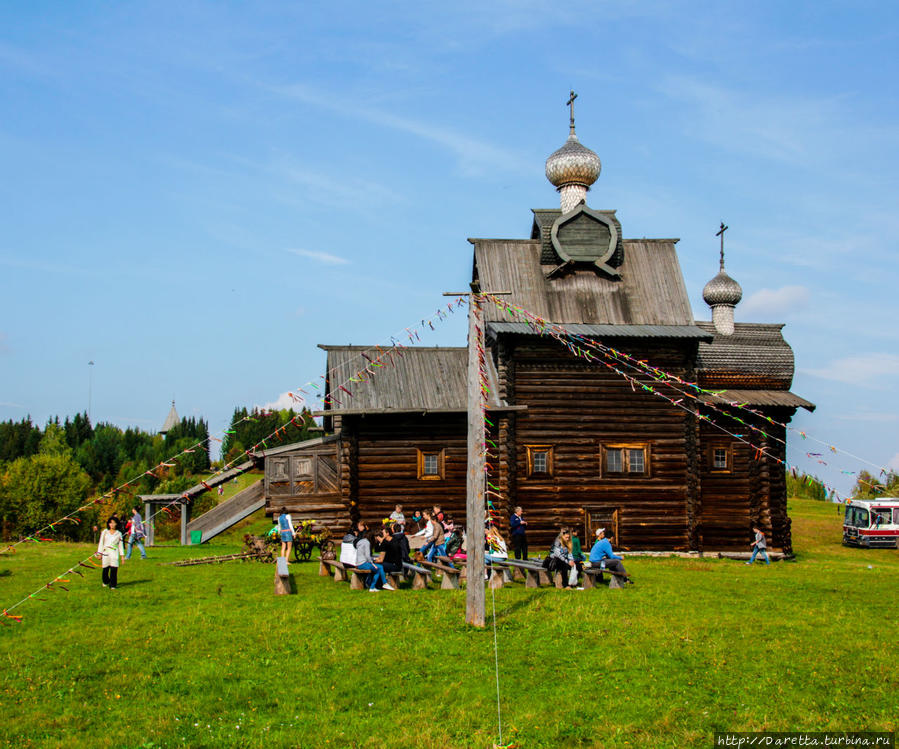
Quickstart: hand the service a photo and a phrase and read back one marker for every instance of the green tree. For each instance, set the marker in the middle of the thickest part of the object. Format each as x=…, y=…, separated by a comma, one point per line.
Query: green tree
x=37, y=490
x=54, y=441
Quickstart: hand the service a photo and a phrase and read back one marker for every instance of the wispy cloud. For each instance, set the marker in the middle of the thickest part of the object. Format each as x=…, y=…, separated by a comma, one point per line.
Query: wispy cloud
x=776, y=302
x=474, y=156
x=877, y=370
x=7, y=404
x=321, y=257
x=789, y=128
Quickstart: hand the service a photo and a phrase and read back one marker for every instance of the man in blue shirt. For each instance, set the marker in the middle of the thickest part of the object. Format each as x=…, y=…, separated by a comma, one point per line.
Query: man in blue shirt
x=602, y=555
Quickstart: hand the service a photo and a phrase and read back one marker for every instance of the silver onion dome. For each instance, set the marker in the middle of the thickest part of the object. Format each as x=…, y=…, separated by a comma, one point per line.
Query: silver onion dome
x=573, y=164
x=722, y=289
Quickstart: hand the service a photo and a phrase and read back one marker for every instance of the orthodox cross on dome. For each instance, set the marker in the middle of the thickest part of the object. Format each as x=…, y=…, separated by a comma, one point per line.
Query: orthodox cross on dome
x=720, y=233
x=570, y=105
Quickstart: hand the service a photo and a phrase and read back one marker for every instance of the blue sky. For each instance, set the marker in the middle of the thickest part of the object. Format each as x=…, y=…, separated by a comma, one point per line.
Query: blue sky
x=196, y=194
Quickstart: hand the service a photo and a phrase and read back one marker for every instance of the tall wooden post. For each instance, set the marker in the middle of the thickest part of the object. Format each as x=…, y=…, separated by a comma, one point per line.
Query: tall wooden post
x=476, y=484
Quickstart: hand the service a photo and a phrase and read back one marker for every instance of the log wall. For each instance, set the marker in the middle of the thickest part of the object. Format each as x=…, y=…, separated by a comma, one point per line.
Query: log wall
x=576, y=407
x=387, y=463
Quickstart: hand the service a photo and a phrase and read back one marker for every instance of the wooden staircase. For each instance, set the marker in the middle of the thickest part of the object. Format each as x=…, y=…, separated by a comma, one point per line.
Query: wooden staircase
x=231, y=511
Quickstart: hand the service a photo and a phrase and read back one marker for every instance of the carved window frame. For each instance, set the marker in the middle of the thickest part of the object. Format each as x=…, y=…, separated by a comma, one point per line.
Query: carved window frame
x=441, y=464
x=531, y=450
x=625, y=472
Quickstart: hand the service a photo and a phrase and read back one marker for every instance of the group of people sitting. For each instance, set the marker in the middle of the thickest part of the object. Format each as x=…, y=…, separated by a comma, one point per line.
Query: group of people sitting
x=383, y=552
x=565, y=558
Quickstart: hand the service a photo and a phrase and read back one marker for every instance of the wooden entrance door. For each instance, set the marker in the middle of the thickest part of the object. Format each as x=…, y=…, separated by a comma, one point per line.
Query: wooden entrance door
x=600, y=516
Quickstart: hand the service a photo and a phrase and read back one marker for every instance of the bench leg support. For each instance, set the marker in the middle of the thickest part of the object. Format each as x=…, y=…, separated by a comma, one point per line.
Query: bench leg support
x=450, y=581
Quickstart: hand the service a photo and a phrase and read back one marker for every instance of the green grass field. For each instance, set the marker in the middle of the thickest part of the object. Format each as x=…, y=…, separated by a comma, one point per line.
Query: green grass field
x=207, y=657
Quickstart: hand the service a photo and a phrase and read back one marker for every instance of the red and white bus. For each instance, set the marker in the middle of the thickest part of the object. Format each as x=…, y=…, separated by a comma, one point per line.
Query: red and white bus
x=872, y=523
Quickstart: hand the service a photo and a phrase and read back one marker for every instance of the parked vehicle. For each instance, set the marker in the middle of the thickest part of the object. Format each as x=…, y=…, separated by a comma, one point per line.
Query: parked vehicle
x=872, y=523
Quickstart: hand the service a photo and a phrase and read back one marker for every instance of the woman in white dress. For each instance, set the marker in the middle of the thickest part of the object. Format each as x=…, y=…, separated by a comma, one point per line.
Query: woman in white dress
x=111, y=550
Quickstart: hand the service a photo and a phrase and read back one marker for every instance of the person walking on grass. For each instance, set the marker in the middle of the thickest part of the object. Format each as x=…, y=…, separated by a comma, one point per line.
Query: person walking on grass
x=759, y=546
x=137, y=535
x=285, y=529
x=112, y=551
x=518, y=534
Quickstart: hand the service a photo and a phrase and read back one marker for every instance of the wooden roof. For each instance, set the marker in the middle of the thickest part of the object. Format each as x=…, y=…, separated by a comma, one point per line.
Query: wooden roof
x=609, y=331
x=415, y=379
x=755, y=356
x=651, y=289
x=760, y=398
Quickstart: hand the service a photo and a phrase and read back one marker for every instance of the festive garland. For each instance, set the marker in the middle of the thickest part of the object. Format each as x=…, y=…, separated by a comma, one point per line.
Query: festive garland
x=380, y=360
x=582, y=347
x=413, y=334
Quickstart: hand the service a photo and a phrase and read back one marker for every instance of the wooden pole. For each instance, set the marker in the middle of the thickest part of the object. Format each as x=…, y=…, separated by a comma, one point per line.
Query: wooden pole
x=475, y=505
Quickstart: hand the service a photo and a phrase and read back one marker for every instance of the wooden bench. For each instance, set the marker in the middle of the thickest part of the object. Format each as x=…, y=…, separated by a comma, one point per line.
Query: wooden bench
x=450, y=580
x=594, y=575
x=535, y=575
x=283, y=586
x=340, y=570
x=420, y=575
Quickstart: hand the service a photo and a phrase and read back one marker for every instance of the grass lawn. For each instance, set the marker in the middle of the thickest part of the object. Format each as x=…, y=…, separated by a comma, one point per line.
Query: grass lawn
x=207, y=657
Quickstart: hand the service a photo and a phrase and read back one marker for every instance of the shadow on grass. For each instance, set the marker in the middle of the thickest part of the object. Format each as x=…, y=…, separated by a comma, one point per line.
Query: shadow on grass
x=5, y=573
x=133, y=582
x=503, y=611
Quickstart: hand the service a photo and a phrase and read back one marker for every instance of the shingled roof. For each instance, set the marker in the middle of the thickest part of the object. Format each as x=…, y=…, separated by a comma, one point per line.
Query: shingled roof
x=650, y=291
x=415, y=379
x=755, y=356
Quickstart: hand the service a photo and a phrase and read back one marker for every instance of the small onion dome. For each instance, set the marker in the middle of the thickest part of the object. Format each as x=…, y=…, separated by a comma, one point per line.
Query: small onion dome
x=573, y=164
x=722, y=289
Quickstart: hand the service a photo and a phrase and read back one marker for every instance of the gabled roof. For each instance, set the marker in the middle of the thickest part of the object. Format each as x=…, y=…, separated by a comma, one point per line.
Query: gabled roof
x=650, y=291
x=755, y=356
x=415, y=379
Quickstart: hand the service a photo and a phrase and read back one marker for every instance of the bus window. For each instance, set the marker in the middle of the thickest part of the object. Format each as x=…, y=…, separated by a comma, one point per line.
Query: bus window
x=881, y=517
x=857, y=517
x=896, y=516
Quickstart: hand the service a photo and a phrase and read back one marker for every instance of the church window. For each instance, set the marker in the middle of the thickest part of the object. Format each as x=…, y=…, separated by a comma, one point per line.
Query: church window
x=430, y=465
x=625, y=460
x=540, y=460
x=614, y=460
x=635, y=463
x=720, y=458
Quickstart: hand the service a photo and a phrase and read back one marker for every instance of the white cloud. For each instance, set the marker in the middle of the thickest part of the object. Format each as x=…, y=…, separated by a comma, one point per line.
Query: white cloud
x=284, y=401
x=7, y=404
x=322, y=257
x=871, y=370
x=776, y=302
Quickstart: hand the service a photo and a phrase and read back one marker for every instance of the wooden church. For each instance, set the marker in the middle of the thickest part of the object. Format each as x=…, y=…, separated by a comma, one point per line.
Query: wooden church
x=577, y=445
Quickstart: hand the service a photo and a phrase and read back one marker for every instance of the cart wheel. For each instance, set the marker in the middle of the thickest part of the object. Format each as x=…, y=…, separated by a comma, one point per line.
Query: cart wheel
x=302, y=551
